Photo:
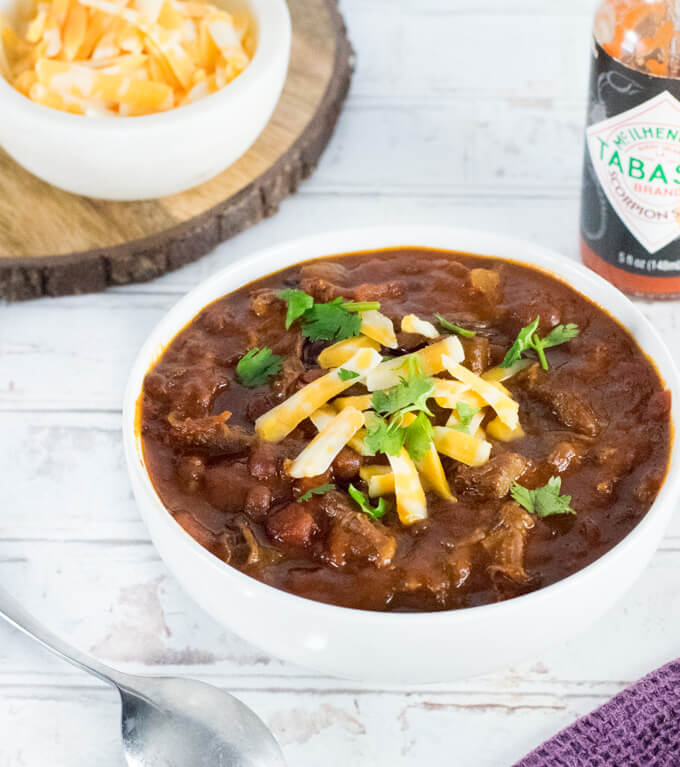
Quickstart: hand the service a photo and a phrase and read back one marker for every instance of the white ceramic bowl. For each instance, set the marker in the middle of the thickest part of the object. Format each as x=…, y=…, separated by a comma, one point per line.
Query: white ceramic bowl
x=136, y=158
x=392, y=647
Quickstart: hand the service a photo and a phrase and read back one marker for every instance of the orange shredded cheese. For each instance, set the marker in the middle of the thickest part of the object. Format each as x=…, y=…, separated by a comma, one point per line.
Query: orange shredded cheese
x=123, y=57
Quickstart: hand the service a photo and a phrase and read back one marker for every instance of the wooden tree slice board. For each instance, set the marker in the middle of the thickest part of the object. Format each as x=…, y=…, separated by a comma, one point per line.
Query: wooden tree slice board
x=54, y=243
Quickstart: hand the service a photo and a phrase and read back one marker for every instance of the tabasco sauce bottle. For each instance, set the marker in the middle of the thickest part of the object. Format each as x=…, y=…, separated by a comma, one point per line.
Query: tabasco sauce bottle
x=630, y=215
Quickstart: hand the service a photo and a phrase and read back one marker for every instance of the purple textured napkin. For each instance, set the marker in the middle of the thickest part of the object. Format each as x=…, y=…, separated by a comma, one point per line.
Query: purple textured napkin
x=640, y=727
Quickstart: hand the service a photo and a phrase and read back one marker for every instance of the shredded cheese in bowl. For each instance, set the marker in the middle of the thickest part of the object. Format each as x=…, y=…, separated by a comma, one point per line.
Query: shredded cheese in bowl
x=124, y=57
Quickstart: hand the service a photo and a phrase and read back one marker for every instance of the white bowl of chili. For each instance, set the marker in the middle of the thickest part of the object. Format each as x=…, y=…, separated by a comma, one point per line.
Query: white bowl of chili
x=393, y=647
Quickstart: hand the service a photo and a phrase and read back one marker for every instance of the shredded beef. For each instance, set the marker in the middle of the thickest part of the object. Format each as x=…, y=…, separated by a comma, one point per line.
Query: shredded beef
x=210, y=435
x=506, y=542
x=494, y=479
x=325, y=291
x=567, y=405
x=354, y=536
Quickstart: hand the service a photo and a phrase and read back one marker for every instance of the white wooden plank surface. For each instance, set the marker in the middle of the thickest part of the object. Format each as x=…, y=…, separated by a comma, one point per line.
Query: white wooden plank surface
x=460, y=113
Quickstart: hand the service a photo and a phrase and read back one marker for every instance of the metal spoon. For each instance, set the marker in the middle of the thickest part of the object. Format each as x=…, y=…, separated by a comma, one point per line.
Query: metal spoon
x=168, y=722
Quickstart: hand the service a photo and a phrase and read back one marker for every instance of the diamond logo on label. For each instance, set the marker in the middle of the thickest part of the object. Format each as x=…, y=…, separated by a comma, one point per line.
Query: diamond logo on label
x=636, y=156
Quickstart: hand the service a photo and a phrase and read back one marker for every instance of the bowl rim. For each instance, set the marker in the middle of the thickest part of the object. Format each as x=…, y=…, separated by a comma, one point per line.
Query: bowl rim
x=283, y=255
x=274, y=39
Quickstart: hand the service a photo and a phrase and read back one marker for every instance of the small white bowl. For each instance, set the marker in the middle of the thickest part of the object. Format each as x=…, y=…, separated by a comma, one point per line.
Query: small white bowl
x=137, y=158
x=400, y=648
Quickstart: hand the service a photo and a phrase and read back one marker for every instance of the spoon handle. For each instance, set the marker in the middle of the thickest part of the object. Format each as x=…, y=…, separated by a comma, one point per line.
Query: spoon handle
x=15, y=614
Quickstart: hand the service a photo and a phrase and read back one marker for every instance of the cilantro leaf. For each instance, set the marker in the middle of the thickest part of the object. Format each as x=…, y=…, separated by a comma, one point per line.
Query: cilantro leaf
x=330, y=322
x=384, y=437
x=419, y=437
x=544, y=501
x=528, y=338
x=257, y=366
x=374, y=512
x=389, y=437
x=524, y=497
x=560, y=335
x=298, y=303
x=465, y=412
x=465, y=415
x=522, y=343
x=446, y=325
x=410, y=394
x=320, y=490
x=347, y=375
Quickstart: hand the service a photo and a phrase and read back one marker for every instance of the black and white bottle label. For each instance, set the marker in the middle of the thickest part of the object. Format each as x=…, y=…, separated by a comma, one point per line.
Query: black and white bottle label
x=631, y=188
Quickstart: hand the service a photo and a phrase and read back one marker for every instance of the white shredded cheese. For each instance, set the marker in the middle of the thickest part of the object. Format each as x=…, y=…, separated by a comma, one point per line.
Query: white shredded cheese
x=411, y=503
x=381, y=484
x=336, y=355
x=323, y=416
x=430, y=467
x=473, y=426
x=448, y=394
x=461, y=447
x=360, y=402
x=278, y=422
x=389, y=372
x=319, y=454
x=373, y=470
x=411, y=323
x=379, y=327
x=498, y=430
x=432, y=471
x=499, y=374
x=506, y=408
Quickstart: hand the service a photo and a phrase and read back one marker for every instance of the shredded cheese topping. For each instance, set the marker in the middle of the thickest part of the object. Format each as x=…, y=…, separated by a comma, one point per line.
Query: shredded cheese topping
x=324, y=415
x=316, y=458
x=411, y=323
x=498, y=430
x=368, y=471
x=379, y=327
x=474, y=425
x=124, y=57
x=461, y=447
x=431, y=469
x=381, y=484
x=390, y=372
x=448, y=394
x=499, y=374
x=360, y=402
x=336, y=355
x=277, y=423
x=506, y=408
x=411, y=502
x=341, y=420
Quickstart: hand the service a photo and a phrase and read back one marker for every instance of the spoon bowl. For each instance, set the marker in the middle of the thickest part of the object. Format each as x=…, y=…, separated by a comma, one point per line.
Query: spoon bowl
x=168, y=722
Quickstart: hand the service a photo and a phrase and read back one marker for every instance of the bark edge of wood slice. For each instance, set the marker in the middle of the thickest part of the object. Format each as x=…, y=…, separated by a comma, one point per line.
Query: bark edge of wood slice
x=37, y=257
